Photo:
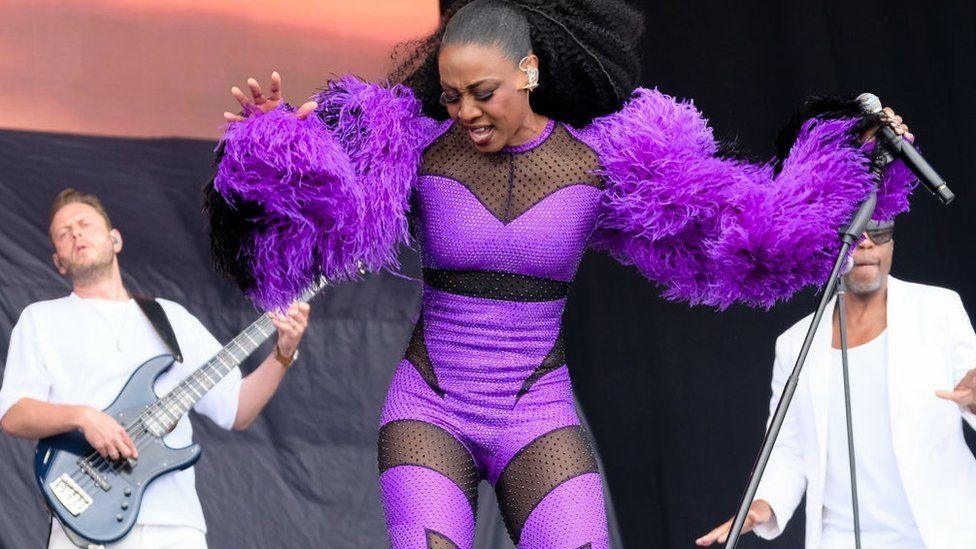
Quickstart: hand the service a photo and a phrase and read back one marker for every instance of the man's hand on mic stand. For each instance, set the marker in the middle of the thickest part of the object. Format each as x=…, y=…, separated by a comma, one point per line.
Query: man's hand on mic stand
x=889, y=117
x=965, y=392
x=760, y=512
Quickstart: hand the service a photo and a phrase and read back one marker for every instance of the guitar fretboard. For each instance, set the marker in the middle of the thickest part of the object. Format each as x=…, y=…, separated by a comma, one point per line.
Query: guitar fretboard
x=163, y=415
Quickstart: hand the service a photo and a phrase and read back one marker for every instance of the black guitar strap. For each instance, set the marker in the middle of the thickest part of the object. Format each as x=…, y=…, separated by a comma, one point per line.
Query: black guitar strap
x=160, y=322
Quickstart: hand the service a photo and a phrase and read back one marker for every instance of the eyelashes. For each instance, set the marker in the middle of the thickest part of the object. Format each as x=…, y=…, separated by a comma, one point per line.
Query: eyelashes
x=451, y=99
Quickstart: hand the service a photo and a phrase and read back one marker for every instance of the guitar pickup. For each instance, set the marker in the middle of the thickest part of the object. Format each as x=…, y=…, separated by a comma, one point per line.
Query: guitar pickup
x=95, y=475
x=71, y=495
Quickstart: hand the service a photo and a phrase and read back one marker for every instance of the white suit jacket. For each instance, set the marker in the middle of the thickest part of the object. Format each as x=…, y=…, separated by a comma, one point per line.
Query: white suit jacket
x=931, y=345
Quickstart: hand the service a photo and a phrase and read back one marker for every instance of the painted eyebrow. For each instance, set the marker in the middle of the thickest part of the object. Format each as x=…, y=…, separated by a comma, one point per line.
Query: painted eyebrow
x=474, y=84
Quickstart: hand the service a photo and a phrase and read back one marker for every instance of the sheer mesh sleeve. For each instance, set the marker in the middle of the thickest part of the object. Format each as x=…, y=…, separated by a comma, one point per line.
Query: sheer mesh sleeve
x=295, y=199
x=716, y=230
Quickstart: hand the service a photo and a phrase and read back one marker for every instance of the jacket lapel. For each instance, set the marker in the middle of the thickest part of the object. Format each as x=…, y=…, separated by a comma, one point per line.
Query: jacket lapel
x=902, y=342
x=818, y=363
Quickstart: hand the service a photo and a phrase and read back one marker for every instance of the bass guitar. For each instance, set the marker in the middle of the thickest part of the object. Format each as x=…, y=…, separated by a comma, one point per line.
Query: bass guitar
x=97, y=499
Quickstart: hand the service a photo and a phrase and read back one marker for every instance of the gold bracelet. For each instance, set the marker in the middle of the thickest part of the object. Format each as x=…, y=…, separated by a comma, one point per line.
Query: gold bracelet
x=285, y=361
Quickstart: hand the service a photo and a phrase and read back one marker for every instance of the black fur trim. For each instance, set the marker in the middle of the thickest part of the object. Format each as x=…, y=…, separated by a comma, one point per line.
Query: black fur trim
x=820, y=106
x=231, y=227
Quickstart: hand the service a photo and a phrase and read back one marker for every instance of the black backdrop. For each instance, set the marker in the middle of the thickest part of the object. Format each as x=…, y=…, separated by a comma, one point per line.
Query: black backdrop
x=676, y=396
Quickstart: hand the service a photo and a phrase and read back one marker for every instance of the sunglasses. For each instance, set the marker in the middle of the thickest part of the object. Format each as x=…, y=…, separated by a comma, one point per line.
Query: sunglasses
x=881, y=236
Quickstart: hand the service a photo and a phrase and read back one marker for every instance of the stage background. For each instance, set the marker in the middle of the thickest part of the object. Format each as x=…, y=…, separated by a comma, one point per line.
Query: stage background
x=676, y=397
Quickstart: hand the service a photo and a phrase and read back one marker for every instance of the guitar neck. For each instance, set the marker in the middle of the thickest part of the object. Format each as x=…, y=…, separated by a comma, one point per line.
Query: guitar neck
x=168, y=410
x=189, y=391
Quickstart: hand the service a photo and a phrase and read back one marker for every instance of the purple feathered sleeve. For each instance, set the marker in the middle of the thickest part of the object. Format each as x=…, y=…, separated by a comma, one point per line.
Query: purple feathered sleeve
x=293, y=199
x=715, y=230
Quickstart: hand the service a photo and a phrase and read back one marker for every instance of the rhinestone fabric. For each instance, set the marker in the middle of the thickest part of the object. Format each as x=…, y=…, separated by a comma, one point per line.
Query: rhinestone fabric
x=484, y=378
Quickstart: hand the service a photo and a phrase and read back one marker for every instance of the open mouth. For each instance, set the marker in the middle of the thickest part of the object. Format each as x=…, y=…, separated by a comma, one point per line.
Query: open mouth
x=481, y=135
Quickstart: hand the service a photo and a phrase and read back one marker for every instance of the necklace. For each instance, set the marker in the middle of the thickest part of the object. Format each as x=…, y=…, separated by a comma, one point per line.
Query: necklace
x=116, y=334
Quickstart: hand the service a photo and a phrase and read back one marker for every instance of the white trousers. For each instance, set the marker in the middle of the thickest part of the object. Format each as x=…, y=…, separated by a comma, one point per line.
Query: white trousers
x=141, y=537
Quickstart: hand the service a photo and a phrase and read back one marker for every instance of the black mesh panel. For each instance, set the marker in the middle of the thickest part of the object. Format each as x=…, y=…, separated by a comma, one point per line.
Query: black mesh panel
x=418, y=356
x=436, y=540
x=508, y=184
x=554, y=359
x=411, y=442
x=497, y=285
x=537, y=469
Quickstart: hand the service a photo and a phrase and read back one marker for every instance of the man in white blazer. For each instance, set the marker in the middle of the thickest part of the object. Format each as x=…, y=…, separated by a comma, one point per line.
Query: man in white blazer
x=916, y=478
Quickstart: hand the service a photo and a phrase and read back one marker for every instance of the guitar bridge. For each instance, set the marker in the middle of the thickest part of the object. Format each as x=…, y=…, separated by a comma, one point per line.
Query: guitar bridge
x=71, y=495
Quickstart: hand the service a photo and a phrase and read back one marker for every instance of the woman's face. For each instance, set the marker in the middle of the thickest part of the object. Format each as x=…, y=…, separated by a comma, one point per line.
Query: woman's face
x=481, y=93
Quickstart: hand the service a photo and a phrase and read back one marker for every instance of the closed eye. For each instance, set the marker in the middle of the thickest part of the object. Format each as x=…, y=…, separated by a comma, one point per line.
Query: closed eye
x=447, y=99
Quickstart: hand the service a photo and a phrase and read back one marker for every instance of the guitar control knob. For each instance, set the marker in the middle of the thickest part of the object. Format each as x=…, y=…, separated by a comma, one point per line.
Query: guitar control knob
x=125, y=505
x=118, y=517
x=127, y=492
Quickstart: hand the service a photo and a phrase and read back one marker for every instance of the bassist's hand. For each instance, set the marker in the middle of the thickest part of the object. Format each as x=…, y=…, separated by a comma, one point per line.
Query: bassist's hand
x=291, y=326
x=106, y=435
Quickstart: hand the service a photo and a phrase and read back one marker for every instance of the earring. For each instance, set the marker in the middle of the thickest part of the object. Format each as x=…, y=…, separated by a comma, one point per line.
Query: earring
x=532, y=73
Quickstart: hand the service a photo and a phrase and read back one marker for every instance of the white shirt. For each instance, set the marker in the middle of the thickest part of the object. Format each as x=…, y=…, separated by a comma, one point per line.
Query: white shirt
x=885, y=515
x=82, y=351
x=930, y=346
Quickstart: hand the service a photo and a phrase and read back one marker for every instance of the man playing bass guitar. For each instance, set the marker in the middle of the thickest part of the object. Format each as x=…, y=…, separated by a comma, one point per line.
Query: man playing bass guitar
x=70, y=357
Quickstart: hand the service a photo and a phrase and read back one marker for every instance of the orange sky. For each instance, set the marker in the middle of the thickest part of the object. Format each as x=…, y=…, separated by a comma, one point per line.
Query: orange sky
x=154, y=68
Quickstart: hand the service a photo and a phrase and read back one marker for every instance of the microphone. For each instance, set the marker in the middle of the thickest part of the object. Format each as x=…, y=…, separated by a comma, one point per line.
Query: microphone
x=901, y=148
x=848, y=264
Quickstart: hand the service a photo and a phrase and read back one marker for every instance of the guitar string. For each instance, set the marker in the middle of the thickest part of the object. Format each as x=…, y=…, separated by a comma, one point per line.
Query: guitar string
x=138, y=428
x=139, y=423
x=182, y=390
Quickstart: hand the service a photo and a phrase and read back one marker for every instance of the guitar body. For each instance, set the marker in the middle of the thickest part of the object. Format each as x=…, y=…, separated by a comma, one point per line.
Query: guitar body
x=98, y=501
x=101, y=504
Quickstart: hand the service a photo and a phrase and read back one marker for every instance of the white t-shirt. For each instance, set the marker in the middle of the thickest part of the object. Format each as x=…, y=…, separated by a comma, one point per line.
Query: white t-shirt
x=82, y=351
x=885, y=515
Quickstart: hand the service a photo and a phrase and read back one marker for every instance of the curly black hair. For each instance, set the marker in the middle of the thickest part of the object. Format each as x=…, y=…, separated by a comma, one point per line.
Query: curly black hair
x=589, y=52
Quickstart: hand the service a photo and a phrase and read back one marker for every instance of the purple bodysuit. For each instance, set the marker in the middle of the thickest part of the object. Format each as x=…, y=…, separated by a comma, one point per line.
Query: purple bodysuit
x=484, y=388
x=483, y=391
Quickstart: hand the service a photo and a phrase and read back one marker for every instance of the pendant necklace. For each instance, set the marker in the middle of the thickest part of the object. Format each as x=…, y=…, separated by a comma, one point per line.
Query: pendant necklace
x=116, y=334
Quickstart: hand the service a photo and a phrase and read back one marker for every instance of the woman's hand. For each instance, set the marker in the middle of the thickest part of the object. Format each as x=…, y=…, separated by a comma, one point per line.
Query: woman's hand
x=889, y=117
x=262, y=104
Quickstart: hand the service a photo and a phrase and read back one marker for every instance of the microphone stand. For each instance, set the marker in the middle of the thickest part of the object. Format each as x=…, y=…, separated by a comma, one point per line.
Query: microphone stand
x=848, y=236
x=841, y=290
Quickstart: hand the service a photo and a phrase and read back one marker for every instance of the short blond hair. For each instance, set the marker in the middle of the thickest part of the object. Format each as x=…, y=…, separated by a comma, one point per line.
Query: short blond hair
x=72, y=196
